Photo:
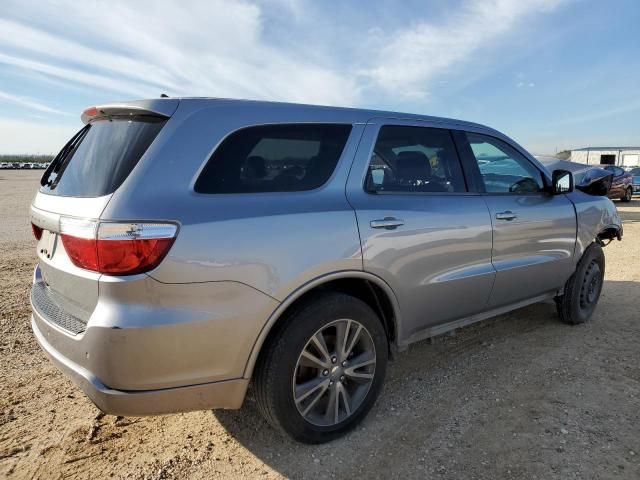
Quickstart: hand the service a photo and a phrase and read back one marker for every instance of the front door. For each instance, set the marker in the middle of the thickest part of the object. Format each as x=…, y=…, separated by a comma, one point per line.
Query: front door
x=422, y=230
x=534, y=232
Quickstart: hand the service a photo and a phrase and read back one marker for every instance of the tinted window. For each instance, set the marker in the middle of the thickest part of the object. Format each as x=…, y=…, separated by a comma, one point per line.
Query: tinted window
x=414, y=159
x=100, y=157
x=503, y=169
x=274, y=158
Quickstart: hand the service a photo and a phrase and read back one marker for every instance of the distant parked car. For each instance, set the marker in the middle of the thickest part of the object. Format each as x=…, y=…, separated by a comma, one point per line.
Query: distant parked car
x=635, y=180
x=621, y=187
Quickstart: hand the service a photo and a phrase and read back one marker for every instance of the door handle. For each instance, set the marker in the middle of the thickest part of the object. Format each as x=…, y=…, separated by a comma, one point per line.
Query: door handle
x=508, y=215
x=388, y=223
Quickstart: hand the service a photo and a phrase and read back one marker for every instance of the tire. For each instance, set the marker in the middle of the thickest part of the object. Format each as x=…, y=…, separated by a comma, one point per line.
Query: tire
x=582, y=290
x=628, y=194
x=284, y=372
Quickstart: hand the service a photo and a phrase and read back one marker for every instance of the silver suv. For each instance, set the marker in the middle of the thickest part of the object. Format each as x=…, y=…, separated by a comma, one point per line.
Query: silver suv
x=190, y=247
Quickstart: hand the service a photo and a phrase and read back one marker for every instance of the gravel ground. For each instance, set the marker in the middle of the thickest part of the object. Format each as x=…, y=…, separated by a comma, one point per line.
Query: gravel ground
x=518, y=396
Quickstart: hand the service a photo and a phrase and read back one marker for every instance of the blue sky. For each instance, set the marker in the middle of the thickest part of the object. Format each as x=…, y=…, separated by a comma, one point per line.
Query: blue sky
x=550, y=73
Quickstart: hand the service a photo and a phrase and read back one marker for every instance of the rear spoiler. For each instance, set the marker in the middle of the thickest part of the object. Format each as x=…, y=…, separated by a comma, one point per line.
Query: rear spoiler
x=164, y=107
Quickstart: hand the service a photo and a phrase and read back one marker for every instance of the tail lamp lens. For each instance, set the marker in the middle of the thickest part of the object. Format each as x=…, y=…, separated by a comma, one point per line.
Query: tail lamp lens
x=116, y=248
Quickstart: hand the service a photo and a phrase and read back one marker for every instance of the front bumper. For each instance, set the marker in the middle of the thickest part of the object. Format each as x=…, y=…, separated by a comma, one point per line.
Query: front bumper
x=225, y=394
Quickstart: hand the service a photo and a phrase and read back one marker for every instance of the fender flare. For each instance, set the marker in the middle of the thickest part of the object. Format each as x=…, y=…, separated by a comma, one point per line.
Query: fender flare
x=316, y=282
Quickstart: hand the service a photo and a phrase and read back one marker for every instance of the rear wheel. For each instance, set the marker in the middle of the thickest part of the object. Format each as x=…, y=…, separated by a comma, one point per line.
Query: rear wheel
x=628, y=194
x=582, y=291
x=322, y=371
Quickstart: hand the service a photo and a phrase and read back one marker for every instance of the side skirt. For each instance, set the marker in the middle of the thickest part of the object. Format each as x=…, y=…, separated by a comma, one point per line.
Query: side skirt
x=463, y=322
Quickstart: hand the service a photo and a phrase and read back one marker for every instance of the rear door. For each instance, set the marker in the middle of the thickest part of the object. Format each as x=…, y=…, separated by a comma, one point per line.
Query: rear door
x=422, y=230
x=534, y=232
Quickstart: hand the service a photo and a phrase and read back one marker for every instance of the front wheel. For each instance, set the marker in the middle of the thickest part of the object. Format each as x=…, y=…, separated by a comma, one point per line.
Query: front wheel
x=628, y=194
x=582, y=290
x=323, y=369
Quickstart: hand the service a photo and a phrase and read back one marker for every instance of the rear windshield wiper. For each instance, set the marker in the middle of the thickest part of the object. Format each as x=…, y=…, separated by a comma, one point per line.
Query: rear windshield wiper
x=57, y=164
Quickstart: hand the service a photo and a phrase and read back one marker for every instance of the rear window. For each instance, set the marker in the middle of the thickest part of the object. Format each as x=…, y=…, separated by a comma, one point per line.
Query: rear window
x=100, y=157
x=274, y=158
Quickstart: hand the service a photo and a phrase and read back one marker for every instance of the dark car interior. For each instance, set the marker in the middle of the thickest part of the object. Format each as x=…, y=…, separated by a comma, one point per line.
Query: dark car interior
x=407, y=160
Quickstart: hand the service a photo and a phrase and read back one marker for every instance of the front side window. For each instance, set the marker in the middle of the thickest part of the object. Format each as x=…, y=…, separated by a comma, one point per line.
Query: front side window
x=502, y=168
x=274, y=158
x=414, y=159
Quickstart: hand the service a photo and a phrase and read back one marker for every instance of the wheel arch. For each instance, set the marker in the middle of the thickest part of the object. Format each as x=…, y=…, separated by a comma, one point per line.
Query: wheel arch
x=368, y=287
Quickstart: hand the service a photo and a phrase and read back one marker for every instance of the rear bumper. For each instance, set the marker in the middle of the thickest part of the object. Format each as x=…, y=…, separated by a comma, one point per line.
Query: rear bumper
x=150, y=348
x=225, y=394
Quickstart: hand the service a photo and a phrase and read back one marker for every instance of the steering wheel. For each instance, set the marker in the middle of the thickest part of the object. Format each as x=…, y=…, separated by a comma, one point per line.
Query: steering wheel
x=526, y=185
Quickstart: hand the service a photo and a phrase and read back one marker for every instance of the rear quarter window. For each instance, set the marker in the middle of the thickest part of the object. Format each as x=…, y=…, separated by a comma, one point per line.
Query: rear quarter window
x=274, y=158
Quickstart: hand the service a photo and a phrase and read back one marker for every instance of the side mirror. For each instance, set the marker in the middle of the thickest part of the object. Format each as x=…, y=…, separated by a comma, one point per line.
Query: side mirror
x=562, y=182
x=595, y=181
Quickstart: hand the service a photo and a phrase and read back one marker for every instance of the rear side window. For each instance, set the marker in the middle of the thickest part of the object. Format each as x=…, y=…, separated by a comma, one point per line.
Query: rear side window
x=414, y=159
x=274, y=158
x=100, y=157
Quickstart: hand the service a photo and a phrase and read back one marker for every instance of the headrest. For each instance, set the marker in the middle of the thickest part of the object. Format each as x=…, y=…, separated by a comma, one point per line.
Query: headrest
x=413, y=165
x=256, y=167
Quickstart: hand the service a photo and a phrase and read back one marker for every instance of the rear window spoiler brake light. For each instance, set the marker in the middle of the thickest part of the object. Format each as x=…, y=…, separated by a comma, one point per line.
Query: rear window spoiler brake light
x=160, y=109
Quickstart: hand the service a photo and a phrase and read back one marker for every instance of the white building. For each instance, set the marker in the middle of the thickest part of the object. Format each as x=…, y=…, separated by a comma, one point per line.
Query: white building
x=621, y=156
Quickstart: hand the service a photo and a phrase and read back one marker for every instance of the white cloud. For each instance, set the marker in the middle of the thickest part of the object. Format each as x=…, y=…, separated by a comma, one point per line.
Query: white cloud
x=221, y=48
x=28, y=103
x=412, y=58
x=215, y=48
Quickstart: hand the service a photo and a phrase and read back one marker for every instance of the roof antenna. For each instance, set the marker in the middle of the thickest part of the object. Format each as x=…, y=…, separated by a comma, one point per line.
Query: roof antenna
x=164, y=95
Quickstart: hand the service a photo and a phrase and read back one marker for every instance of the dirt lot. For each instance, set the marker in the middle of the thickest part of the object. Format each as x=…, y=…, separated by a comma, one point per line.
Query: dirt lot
x=520, y=396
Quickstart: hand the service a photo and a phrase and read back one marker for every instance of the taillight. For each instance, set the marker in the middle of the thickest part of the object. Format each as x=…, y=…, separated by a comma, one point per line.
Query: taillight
x=128, y=248
x=116, y=248
x=37, y=231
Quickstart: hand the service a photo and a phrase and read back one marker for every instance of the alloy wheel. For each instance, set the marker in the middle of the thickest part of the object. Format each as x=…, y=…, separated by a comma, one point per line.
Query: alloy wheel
x=334, y=372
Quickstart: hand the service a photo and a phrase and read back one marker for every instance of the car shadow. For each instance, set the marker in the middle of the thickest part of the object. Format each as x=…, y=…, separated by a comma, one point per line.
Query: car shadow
x=490, y=391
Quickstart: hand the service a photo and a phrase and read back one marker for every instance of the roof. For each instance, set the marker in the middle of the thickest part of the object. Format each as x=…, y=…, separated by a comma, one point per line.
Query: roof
x=167, y=106
x=603, y=148
x=356, y=114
